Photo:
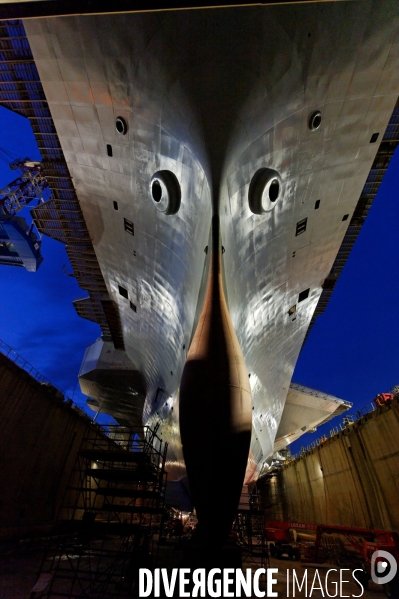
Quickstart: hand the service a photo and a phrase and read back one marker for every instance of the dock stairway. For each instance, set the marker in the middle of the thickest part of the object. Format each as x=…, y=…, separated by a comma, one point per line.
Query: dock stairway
x=250, y=526
x=110, y=519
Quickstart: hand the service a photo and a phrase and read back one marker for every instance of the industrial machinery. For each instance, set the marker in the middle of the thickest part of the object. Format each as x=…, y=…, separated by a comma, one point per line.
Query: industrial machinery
x=19, y=243
x=346, y=546
x=29, y=186
x=383, y=398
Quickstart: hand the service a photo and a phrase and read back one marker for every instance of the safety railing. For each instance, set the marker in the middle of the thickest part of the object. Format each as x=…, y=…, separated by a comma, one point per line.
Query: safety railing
x=12, y=355
x=17, y=359
x=347, y=420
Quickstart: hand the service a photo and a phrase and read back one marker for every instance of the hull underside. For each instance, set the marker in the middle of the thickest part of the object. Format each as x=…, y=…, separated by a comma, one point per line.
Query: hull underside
x=214, y=97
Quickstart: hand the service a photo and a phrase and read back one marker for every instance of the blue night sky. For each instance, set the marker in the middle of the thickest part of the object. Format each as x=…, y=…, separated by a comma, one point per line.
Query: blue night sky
x=352, y=351
x=38, y=319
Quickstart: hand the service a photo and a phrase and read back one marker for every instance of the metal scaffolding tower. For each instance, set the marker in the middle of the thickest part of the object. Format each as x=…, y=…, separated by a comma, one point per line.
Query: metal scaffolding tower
x=250, y=526
x=110, y=518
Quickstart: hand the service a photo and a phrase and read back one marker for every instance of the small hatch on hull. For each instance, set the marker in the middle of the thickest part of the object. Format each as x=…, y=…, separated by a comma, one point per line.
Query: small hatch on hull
x=123, y=292
x=303, y=295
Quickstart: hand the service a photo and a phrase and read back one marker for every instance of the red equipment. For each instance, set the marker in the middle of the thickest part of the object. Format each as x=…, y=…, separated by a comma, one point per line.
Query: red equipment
x=383, y=398
x=364, y=541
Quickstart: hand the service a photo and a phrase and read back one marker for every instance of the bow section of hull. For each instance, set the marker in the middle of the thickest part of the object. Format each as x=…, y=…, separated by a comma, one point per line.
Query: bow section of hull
x=269, y=117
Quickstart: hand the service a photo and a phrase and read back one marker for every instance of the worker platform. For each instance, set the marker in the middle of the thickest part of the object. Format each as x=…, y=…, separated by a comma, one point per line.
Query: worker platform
x=109, y=519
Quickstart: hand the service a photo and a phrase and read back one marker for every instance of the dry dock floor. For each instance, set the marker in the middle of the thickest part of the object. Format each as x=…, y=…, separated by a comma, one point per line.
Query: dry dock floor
x=18, y=574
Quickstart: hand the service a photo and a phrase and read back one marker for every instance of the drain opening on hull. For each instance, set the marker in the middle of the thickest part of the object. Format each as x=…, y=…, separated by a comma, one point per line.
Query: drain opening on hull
x=121, y=125
x=315, y=120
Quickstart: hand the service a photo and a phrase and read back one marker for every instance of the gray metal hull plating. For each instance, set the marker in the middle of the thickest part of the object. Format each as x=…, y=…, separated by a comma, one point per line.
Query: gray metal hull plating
x=213, y=96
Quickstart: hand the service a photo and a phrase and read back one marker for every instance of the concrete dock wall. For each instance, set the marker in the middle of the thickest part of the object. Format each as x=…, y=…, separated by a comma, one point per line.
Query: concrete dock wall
x=350, y=479
x=40, y=435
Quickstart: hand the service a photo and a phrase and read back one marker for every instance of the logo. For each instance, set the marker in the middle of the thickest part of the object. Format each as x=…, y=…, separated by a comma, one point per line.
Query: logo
x=383, y=567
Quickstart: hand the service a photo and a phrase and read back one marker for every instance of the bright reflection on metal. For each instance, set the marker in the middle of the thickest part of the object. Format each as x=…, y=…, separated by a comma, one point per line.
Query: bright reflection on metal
x=216, y=125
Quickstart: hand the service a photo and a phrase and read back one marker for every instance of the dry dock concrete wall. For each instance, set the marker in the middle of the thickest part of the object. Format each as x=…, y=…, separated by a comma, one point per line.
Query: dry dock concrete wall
x=40, y=435
x=350, y=479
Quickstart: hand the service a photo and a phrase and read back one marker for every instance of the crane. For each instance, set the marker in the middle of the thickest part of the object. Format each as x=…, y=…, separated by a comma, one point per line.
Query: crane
x=19, y=244
x=29, y=186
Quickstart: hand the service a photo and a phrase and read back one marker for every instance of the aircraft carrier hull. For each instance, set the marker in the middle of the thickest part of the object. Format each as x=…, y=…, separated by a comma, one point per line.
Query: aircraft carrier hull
x=266, y=116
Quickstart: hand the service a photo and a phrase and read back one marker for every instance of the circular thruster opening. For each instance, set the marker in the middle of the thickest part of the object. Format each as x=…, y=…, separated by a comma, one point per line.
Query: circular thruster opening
x=265, y=190
x=315, y=120
x=165, y=192
x=156, y=191
x=121, y=125
x=274, y=190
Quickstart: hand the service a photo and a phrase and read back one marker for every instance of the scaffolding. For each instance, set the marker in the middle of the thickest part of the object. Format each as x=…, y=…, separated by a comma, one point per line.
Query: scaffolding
x=250, y=526
x=60, y=216
x=110, y=519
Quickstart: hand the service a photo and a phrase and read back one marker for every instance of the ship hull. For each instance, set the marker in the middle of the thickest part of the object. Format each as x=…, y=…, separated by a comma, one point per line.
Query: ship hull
x=215, y=96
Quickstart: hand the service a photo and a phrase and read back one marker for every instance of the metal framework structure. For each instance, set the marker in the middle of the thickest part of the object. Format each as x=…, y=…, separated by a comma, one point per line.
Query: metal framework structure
x=28, y=187
x=111, y=513
x=60, y=217
x=20, y=243
x=250, y=525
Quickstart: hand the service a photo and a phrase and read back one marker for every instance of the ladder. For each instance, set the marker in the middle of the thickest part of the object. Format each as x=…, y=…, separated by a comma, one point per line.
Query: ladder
x=110, y=517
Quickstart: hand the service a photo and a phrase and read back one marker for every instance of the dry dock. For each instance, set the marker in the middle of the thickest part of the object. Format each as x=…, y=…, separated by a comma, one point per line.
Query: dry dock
x=351, y=479
x=40, y=434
